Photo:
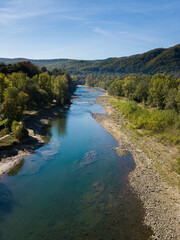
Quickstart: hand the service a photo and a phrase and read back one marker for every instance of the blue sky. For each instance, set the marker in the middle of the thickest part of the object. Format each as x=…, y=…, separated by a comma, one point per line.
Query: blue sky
x=86, y=29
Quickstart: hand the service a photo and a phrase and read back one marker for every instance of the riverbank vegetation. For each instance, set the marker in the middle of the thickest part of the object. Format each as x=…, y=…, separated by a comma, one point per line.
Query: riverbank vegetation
x=151, y=104
x=24, y=86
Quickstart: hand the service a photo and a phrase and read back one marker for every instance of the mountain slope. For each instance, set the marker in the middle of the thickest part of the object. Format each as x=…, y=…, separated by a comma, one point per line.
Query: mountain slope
x=158, y=60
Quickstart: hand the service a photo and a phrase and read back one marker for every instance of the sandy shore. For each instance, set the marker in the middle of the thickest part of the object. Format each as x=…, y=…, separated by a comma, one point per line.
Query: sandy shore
x=35, y=124
x=161, y=201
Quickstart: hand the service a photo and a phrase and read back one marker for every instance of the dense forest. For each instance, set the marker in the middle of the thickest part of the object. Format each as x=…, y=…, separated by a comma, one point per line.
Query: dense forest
x=159, y=60
x=25, y=86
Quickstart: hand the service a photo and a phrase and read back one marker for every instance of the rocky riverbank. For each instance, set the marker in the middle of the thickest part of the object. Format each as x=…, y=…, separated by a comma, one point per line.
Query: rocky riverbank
x=160, y=199
x=35, y=124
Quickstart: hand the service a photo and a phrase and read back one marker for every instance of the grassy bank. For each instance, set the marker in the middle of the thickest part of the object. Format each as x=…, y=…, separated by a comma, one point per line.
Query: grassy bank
x=160, y=126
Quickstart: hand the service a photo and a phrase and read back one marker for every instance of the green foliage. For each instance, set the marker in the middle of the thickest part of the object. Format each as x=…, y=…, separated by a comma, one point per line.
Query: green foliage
x=18, y=80
x=11, y=93
x=178, y=98
x=17, y=66
x=117, y=87
x=10, y=110
x=160, y=90
x=142, y=89
x=31, y=88
x=3, y=86
x=159, y=120
x=3, y=123
x=170, y=99
x=177, y=121
x=22, y=100
x=160, y=86
x=155, y=61
x=18, y=130
x=8, y=141
x=15, y=124
x=44, y=81
x=156, y=120
x=129, y=85
x=61, y=89
x=156, y=93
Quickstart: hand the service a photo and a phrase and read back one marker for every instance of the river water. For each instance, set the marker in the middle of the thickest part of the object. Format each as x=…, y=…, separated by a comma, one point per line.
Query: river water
x=74, y=187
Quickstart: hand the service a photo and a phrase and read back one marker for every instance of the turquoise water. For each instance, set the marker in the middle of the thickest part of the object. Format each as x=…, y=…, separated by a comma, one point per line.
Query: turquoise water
x=74, y=187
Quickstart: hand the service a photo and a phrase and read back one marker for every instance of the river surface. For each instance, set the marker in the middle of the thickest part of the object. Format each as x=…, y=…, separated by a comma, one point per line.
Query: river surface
x=73, y=188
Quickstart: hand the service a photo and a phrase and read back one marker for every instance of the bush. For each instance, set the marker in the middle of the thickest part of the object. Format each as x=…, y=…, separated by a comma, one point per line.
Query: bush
x=19, y=130
x=159, y=120
x=156, y=120
x=177, y=121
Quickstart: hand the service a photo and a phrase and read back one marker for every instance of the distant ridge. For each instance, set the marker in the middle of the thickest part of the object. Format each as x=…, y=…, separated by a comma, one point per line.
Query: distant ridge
x=160, y=60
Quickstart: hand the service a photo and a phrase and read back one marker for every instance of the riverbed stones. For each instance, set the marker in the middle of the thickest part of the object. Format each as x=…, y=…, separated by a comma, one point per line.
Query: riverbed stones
x=88, y=159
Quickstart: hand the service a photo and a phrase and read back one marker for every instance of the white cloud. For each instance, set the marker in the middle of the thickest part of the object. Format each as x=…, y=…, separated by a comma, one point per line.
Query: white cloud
x=101, y=31
x=24, y=9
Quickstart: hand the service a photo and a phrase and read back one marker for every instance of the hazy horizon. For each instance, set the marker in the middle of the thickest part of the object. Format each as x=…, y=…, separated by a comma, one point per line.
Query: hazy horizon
x=77, y=59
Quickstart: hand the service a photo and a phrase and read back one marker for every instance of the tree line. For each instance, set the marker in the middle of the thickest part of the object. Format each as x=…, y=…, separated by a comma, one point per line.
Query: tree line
x=159, y=92
x=25, y=86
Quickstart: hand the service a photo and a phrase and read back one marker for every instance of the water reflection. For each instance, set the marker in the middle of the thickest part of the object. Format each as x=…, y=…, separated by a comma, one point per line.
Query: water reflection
x=16, y=169
x=61, y=123
x=47, y=134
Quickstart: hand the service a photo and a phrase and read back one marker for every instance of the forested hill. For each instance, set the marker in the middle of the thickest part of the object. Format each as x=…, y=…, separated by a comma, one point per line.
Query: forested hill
x=159, y=60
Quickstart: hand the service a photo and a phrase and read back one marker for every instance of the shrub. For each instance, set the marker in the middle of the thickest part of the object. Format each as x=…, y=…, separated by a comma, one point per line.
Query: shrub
x=19, y=130
x=159, y=120
x=177, y=121
x=156, y=120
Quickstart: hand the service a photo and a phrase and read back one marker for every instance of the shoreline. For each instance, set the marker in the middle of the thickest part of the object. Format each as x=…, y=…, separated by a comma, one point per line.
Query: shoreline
x=160, y=200
x=35, y=125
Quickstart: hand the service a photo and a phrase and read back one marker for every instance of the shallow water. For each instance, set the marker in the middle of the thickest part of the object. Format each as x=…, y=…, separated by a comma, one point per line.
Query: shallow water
x=74, y=187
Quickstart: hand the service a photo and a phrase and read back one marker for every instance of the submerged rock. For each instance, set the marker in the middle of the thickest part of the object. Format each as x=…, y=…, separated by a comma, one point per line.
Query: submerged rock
x=88, y=159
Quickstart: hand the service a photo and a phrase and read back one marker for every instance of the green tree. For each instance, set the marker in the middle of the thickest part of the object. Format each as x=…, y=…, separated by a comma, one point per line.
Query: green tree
x=44, y=69
x=156, y=93
x=44, y=81
x=129, y=86
x=22, y=99
x=11, y=92
x=60, y=89
x=170, y=100
x=19, y=130
x=18, y=80
x=178, y=98
x=89, y=81
x=117, y=87
x=3, y=86
x=142, y=89
x=11, y=110
x=159, y=87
